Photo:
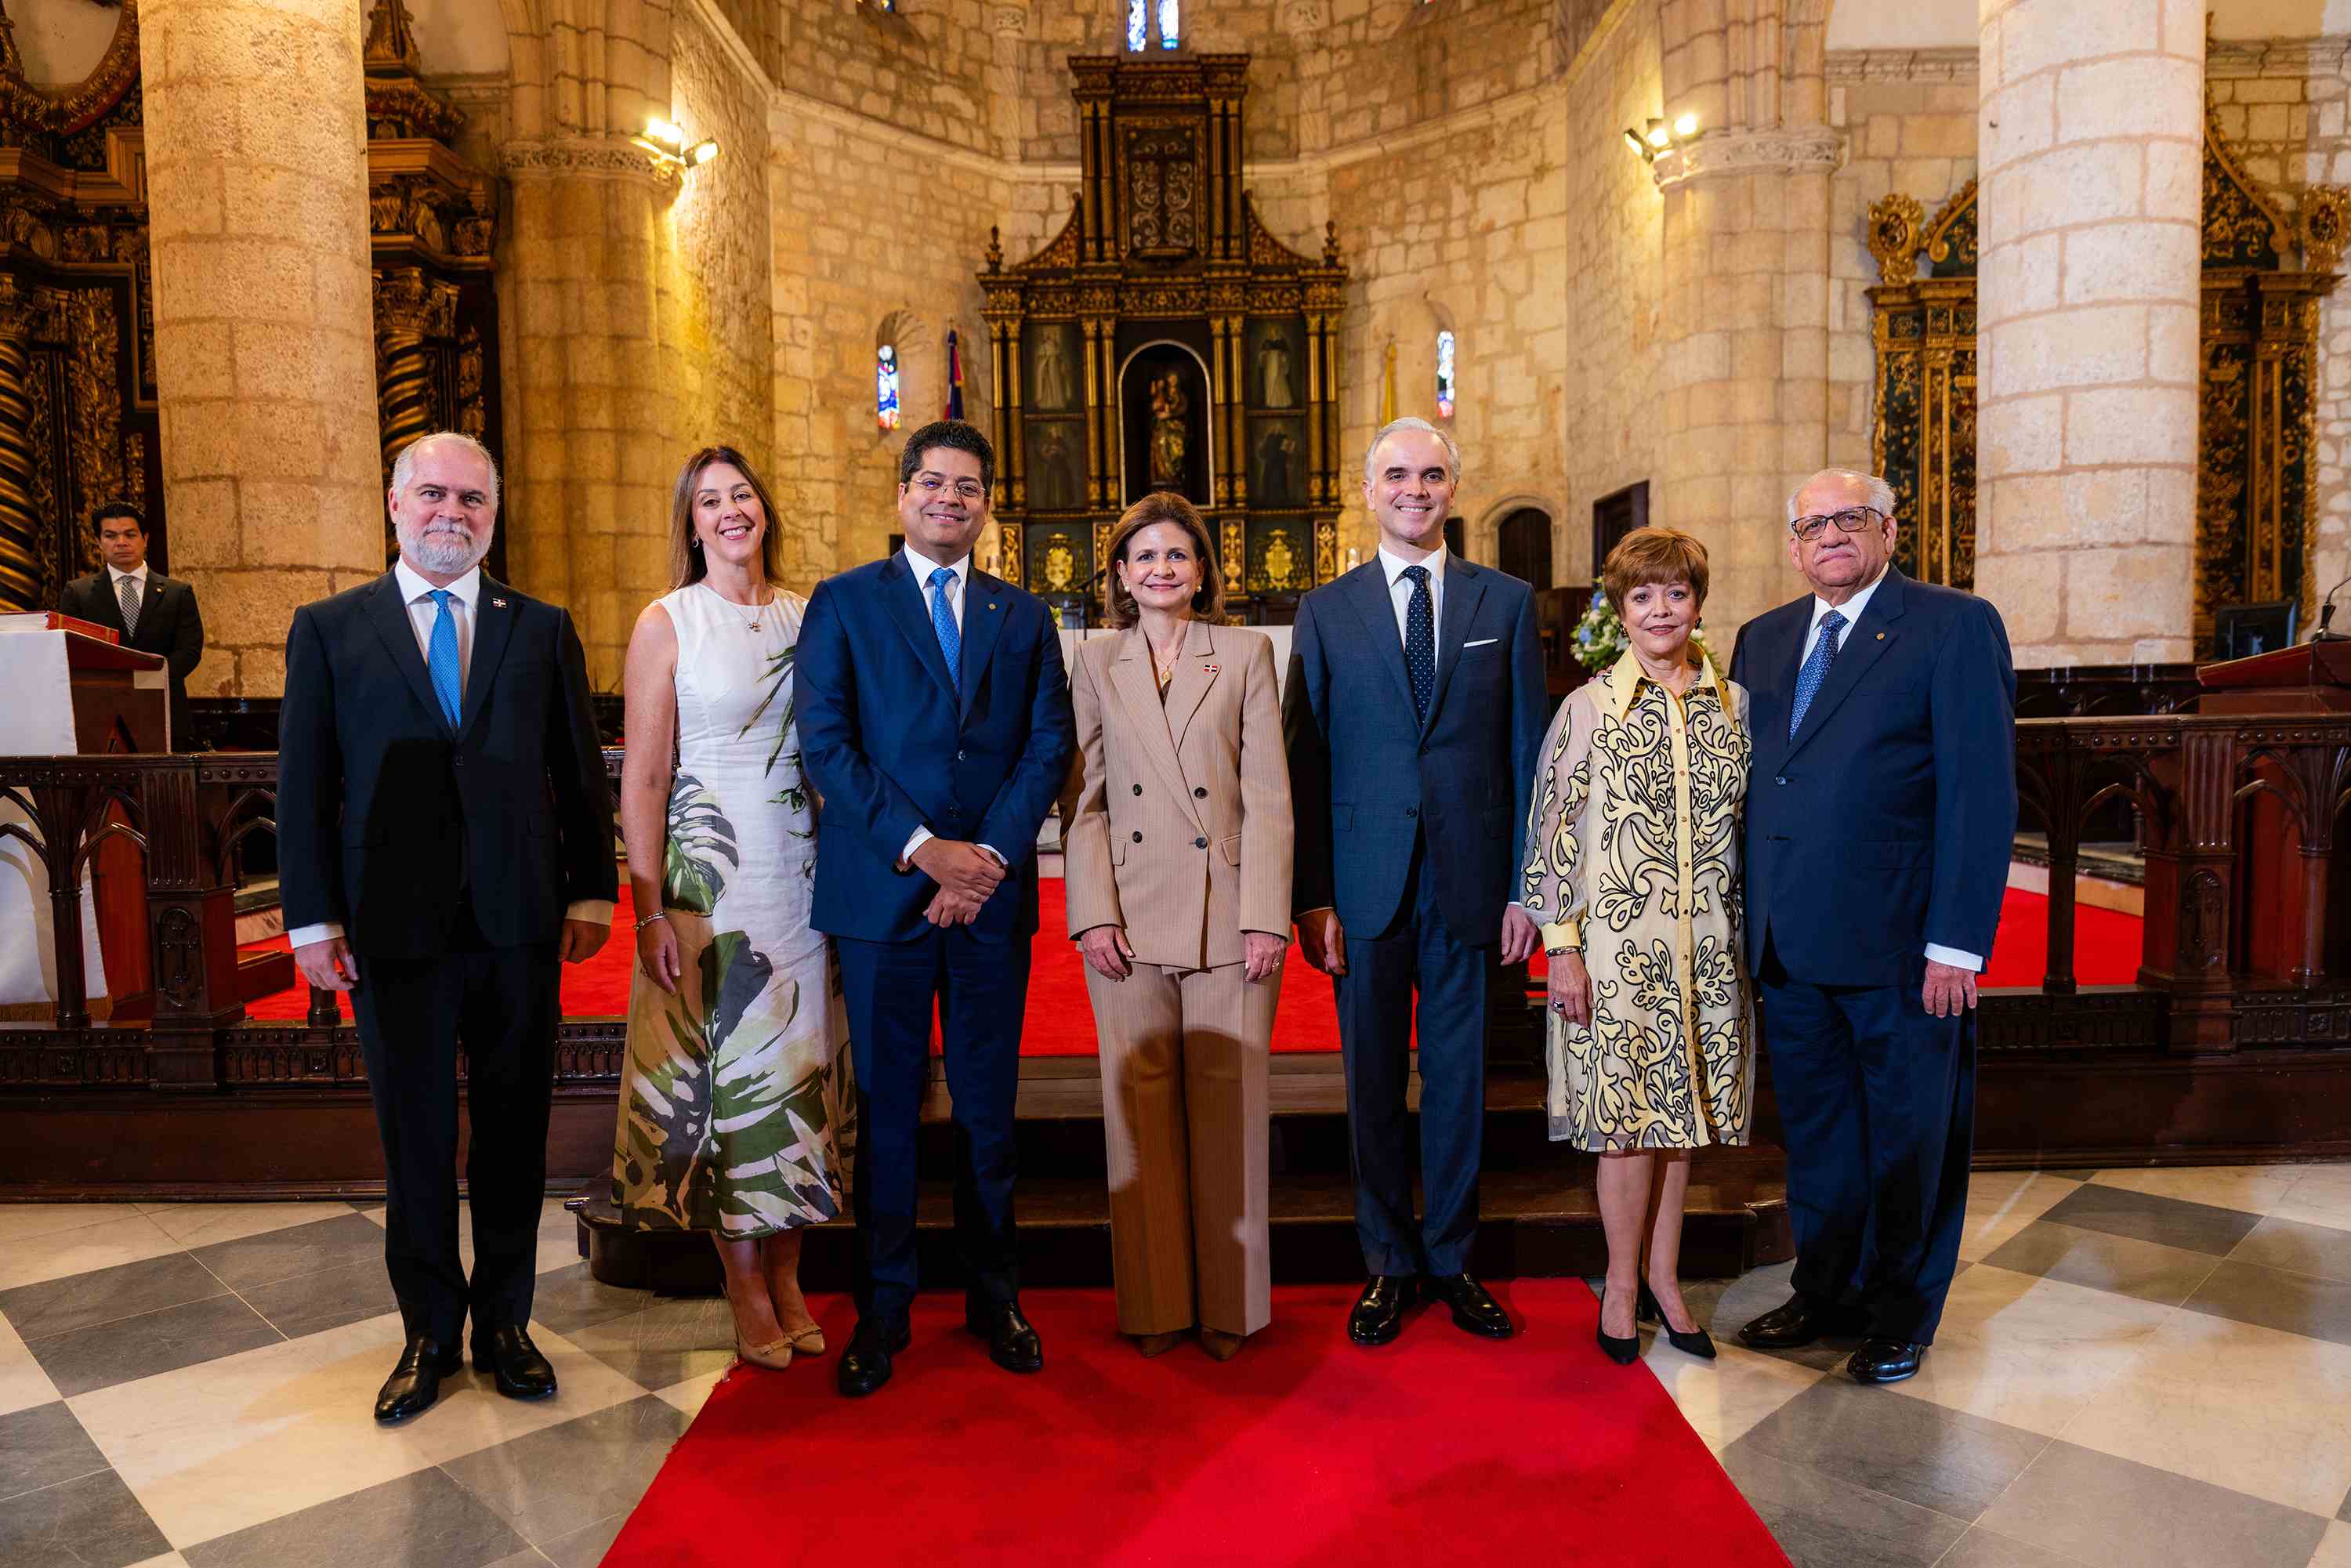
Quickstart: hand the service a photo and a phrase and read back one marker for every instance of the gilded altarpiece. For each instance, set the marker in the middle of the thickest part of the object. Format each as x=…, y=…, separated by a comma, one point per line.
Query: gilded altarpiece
x=1166, y=340
x=2256, y=467
x=78, y=411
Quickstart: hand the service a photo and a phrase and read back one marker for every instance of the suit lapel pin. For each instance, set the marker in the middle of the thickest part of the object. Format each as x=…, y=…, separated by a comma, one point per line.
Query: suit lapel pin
x=501, y=604
x=1881, y=636
x=1208, y=669
x=991, y=605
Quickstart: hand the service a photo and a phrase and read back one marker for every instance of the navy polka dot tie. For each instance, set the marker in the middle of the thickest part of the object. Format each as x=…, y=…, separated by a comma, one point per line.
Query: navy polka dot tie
x=1420, y=642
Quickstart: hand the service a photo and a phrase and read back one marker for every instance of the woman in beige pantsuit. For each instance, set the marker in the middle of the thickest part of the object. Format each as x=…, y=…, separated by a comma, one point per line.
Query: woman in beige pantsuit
x=1178, y=859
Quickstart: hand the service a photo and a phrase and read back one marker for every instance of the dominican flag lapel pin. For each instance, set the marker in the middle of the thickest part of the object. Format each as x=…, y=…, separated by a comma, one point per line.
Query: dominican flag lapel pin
x=1208, y=669
x=497, y=604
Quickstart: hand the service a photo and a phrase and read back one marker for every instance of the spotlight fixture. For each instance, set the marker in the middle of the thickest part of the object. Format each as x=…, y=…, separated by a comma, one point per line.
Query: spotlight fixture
x=1686, y=125
x=1659, y=138
x=665, y=140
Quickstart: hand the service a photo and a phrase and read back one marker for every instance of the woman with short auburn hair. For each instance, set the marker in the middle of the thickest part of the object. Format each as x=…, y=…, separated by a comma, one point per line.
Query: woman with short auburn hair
x=1633, y=871
x=1178, y=870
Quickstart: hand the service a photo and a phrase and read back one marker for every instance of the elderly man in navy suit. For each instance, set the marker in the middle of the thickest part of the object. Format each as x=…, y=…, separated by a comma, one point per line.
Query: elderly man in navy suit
x=935, y=722
x=1879, y=817
x=1416, y=714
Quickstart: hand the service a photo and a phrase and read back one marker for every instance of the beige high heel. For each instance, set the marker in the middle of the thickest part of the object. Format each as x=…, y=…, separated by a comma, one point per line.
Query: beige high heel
x=808, y=1341
x=775, y=1357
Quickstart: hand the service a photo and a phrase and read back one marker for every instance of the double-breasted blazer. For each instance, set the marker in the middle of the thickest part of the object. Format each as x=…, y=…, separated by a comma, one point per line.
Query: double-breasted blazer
x=1181, y=830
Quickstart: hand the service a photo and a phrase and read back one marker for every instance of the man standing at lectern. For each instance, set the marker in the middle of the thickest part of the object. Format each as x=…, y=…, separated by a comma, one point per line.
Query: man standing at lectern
x=155, y=614
x=445, y=841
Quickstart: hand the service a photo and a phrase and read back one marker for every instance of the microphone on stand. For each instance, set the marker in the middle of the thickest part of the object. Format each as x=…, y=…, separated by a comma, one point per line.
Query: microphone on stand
x=2326, y=614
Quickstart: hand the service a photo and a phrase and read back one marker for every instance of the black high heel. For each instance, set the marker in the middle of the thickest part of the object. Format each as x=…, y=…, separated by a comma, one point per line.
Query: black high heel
x=1696, y=1342
x=1622, y=1352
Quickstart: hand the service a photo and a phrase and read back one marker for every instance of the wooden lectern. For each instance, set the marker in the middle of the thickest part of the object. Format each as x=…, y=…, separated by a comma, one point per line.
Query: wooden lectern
x=2294, y=900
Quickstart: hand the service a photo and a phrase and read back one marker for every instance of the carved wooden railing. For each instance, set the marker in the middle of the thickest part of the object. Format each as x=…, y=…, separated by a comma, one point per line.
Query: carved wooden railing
x=2247, y=943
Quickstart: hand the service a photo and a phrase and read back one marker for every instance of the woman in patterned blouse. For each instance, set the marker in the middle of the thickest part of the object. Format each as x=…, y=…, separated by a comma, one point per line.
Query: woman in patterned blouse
x=1632, y=872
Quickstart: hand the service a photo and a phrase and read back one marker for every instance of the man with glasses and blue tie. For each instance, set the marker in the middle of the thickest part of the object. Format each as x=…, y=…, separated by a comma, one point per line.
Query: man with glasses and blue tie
x=1880, y=811
x=444, y=843
x=934, y=723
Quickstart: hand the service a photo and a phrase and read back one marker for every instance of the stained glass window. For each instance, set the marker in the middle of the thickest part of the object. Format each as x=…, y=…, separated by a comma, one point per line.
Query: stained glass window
x=1445, y=375
x=1140, y=14
x=885, y=387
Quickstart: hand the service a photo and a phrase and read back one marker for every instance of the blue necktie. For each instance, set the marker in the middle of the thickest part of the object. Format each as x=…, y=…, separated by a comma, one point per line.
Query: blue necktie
x=441, y=662
x=1815, y=670
x=943, y=621
x=1420, y=642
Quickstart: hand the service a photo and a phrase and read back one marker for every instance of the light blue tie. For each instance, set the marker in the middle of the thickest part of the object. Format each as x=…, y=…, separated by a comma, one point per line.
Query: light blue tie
x=1815, y=670
x=943, y=621
x=441, y=662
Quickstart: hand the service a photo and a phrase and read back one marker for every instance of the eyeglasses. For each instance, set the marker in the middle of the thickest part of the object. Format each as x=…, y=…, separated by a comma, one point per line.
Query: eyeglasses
x=1851, y=520
x=963, y=489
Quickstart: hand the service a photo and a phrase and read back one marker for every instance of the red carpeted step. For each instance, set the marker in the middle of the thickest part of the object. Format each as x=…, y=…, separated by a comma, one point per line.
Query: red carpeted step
x=1304, y=1450
x=1059, y=1019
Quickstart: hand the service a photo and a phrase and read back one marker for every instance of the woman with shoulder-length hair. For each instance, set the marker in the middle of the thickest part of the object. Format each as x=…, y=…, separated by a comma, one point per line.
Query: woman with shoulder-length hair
x=736, y=1103
x=1177, y=866
x=1632, y=872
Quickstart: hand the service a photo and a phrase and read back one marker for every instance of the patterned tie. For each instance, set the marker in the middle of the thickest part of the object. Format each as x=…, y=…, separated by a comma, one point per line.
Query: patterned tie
x=1815, y=670
x=127, y=589
x=1420, y=642
x=943, y=621
x=441, y=663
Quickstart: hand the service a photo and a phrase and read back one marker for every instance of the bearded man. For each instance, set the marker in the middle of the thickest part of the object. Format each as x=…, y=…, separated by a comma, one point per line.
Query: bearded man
x=445, y=841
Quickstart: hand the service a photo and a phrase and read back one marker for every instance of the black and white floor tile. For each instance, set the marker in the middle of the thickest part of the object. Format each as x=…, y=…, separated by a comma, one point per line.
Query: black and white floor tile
x=2136, y=1368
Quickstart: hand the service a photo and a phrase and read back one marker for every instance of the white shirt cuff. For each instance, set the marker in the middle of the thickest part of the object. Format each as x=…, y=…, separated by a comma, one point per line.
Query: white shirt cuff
x=996, y=855
x=920, y=836
x=303, y=936
x=1939, y=953
x=595, y=911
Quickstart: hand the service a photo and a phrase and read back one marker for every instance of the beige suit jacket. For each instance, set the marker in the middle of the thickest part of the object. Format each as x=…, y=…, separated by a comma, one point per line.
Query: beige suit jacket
x=1181, y=831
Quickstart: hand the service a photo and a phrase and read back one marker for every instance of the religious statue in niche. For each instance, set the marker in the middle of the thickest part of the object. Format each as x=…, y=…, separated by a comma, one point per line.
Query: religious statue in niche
x=1170, y=441
x=1276, y=389
x=1053, y=379
x=1060, y=564
x=1277, y=464
x=1162, y=414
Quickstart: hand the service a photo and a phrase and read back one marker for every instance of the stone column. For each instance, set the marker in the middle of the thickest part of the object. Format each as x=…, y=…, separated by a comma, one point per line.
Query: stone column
x=2091, y=147
x=265, y=361
x=1745, y=308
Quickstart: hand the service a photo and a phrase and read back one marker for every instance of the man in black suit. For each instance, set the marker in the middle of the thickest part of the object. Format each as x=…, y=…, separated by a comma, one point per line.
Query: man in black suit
x=445, y=839
x=155, y=614
x=1880, y=811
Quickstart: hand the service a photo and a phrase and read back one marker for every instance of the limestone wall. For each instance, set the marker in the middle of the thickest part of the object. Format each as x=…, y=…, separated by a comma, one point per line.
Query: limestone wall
x=1909, y=120
x=932, y=69
x=1615, y=235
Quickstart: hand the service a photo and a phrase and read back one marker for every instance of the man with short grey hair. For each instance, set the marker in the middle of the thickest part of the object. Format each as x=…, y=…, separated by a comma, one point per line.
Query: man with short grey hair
x=1415, y=717
x=445, y=842
x=1881, y=803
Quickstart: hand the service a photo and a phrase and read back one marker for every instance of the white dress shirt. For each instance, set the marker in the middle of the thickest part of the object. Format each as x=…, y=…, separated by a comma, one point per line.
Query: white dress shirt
x=922, y=566
x=1851, y=609
x=465, y=596
x=1400, y=591
x=115, y=574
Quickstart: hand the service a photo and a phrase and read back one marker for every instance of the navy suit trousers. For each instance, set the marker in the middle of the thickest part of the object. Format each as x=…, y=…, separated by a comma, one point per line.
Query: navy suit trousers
x=1375, y=1019
x=1877, y=1101
x=981, y=988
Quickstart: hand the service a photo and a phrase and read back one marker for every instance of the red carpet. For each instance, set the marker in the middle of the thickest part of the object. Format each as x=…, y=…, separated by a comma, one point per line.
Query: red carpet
x=1305, y=1452
x=1059, y=1020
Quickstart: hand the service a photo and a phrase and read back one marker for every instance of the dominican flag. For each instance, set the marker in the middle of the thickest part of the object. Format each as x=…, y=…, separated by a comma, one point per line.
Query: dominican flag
x=954, y=377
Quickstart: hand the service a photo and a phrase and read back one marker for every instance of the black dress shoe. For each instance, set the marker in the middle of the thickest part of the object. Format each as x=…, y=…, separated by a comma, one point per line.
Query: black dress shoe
x=521, y=1371
x=1798, y=1321
x=1012, y=1343
x=415, y=1383
x=1696, y=1342
x=1883, y=1360
x=1379, y=1312
x=1475, y=1311
x=865, y=1366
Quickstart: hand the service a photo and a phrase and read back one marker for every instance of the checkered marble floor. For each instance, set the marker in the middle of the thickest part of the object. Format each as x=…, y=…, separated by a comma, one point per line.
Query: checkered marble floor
x=2136, y=1368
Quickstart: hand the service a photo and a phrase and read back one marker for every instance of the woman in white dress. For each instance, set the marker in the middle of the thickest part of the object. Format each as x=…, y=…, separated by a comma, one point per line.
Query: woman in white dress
x=737, y=1104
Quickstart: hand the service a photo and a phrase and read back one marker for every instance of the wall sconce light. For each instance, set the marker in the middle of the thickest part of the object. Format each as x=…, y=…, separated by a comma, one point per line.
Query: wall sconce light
x=1657, y=136
x=666, y=141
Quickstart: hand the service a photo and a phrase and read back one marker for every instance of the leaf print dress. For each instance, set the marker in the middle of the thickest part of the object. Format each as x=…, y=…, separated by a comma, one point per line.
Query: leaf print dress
x=736, y=1100
x=1632, y=851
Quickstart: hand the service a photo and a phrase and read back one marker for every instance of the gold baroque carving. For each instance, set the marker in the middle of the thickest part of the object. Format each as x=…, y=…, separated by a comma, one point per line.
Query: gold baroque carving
x=1894, y=236
x=2325, y=226
x=26, y=108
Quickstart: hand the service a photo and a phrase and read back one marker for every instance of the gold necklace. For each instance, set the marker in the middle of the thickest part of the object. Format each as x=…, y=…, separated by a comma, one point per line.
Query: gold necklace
x=757, y=609
x=1166, y=672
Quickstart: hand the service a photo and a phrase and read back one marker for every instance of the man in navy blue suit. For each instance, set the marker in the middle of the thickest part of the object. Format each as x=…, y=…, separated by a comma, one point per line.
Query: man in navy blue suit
x=935, y=722
x=1880, y=811
x=1415, y=710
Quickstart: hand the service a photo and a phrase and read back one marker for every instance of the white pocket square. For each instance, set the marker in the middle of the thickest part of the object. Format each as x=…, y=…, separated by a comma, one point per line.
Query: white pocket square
x=1479, y=642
